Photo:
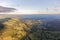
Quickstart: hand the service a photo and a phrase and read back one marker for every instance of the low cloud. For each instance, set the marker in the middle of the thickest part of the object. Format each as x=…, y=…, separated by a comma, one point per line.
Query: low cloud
x=6, y=9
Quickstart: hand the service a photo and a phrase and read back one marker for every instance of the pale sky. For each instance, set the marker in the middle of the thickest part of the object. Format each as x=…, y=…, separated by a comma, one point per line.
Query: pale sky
x=33, y=6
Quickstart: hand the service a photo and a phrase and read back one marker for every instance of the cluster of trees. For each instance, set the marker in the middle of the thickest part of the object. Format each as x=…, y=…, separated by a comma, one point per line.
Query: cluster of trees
x=15, y=29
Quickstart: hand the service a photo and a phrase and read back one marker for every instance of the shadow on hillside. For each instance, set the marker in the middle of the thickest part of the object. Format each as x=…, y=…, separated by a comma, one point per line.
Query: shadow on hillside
x=1, y=26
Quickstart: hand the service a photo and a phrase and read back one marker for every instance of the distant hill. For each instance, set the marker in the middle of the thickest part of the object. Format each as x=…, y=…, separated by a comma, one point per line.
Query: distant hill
x=46, y=17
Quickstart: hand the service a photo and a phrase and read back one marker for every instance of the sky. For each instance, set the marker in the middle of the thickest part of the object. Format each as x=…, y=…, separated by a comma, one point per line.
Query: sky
x=33, y=6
